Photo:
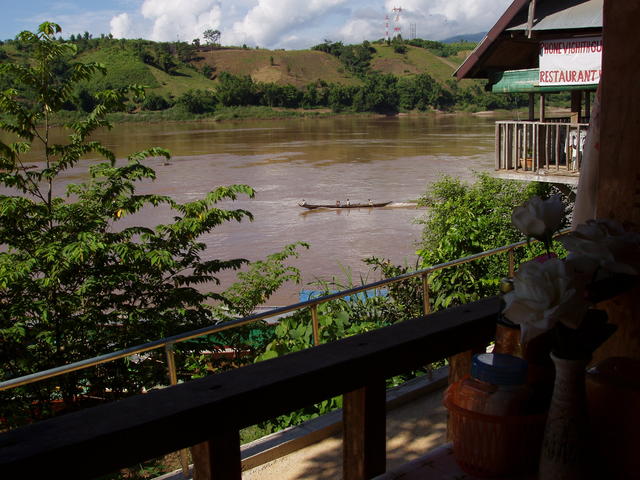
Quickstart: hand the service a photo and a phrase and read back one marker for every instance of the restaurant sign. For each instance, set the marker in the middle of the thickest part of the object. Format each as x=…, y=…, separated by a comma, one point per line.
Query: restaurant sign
x=574, y=61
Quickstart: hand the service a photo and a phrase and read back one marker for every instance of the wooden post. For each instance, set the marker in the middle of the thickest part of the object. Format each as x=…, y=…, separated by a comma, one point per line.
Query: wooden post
x=587, y=105
x=618, y=195
x=576, y=106
x=364, y=432
x=542, y=107
x=218, y=458
x=531, y=107
x=498, y=144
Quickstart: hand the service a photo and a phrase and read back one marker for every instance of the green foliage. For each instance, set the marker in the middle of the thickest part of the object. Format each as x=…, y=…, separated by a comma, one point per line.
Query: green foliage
x=207, y=70
x=198, y=101
x=442, y=49
x=154, y=101
x=340, y=319
x=422, y=92
x=74, y=282
x=235, y=90
x=468, y=219
x=125, y=68
x=356, y=58
x=212, y=37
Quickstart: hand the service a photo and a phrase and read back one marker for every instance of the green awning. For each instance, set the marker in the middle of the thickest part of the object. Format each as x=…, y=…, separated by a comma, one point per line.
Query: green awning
x=526, y=81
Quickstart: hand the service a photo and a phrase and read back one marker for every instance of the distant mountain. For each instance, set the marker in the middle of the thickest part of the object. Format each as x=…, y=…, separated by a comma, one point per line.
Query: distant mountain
x=467, y=37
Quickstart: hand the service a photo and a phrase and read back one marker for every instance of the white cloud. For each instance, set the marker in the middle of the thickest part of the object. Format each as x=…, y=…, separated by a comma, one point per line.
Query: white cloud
x=169, y=20
x=299, y=24
x=121, y=25
x=272, y=22
x=437, y=19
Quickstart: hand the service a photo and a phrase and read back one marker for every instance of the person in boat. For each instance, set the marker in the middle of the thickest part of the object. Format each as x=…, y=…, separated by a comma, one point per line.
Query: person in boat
x=348, y=202
x=370, y=203
x=304, y=202
x=337, y=203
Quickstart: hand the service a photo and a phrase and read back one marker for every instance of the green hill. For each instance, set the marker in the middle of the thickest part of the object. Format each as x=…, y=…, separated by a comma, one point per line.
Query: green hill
x=183, y=80
x=126, y=63
x=292, y=67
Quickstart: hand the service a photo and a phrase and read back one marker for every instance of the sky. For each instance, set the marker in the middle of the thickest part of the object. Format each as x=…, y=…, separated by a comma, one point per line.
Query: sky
x=290, y=24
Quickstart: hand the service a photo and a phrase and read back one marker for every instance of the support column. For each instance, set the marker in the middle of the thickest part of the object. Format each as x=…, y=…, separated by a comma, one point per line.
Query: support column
x=618, y=195
x=364, y=434
x=576, y=106
x=531, y=107
x=219, y=458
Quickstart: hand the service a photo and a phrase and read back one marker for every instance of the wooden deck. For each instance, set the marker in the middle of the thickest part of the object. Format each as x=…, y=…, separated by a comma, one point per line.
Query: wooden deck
x=540, y=151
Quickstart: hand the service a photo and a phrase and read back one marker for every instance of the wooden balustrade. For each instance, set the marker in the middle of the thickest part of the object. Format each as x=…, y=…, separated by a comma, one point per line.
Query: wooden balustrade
x=209, y=412
x=540, y=147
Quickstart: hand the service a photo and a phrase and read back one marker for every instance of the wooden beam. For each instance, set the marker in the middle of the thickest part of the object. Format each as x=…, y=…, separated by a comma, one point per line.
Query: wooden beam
x=364, y=419
x=618, y=183
x=530, y=17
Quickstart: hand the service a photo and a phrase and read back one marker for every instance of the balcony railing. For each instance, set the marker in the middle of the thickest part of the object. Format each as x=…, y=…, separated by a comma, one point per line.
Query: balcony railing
x=540, y=148
x=210, y=412
x=169, y=342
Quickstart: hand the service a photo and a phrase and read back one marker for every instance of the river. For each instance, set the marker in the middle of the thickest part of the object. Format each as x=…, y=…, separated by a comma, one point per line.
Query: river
x=320, y=160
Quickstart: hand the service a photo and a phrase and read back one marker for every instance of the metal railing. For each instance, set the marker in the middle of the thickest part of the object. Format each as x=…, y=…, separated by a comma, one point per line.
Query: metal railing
x=169, y=342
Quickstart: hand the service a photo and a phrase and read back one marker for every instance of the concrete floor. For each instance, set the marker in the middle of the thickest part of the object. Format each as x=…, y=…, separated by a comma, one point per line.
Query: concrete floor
x=412, y=430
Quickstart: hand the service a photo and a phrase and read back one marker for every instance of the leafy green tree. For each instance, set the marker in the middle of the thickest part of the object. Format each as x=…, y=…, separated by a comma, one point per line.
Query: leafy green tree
x=467, y=219
x=379, y=94
x=153, y=101
x=212, y=37
x=234, y=90
x=74, y=281
x=198, y=101
x=207, y=70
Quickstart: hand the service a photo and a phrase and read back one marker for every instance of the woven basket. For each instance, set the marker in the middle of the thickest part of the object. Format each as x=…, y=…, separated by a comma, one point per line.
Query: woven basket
x=494, y=446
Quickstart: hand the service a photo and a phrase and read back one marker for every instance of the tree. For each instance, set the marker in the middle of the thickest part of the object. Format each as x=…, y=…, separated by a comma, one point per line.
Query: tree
x=212, y=37
x=74, y=282
x=467, y=219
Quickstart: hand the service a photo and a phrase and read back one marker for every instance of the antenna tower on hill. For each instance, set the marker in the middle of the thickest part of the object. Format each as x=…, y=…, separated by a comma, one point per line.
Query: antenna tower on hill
x=386, y=27
x=397, y=31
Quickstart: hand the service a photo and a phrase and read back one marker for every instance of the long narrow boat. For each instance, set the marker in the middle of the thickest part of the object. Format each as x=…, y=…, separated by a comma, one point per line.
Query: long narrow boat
x=351, y=205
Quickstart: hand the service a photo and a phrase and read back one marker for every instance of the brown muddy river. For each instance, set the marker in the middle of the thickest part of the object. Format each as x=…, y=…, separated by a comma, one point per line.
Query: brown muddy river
x=320, y=160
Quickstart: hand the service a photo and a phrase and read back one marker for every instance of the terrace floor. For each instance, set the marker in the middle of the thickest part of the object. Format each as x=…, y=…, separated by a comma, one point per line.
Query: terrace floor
x=416, y=424
x=412, y=430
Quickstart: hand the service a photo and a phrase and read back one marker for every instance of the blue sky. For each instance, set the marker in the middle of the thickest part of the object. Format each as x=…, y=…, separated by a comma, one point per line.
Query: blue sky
x=265, y=23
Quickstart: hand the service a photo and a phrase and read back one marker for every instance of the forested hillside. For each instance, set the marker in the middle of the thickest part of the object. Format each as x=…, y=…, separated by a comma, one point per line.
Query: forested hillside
x=185, y=79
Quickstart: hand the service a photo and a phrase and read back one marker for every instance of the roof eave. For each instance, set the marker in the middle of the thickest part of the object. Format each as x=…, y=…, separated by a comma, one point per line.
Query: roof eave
x=506, y=18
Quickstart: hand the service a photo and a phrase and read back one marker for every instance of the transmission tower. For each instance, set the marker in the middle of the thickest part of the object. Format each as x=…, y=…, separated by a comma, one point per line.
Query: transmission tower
x=386, y=28
x=397, y=31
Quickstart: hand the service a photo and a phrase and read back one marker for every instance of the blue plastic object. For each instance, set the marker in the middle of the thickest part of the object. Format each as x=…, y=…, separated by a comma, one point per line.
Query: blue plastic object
x=499, y=369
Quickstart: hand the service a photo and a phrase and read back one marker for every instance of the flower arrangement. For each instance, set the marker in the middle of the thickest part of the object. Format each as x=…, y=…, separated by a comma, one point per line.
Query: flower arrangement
x=552, y=295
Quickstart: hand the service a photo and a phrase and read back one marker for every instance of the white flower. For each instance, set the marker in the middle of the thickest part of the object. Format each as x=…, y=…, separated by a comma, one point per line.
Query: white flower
x=544, y=294
x=606, y=244
x=539, y=218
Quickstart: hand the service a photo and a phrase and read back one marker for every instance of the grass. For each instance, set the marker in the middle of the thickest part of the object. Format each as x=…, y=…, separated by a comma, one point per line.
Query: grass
x=124, y=68
x=176, y=85
x=295, y=67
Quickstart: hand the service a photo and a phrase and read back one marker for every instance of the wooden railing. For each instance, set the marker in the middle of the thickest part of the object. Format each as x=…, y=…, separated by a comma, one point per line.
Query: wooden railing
x=555, y=148
x=210, y=412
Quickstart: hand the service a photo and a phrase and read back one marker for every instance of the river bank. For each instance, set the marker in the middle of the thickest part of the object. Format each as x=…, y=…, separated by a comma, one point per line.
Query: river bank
x=224, y=114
